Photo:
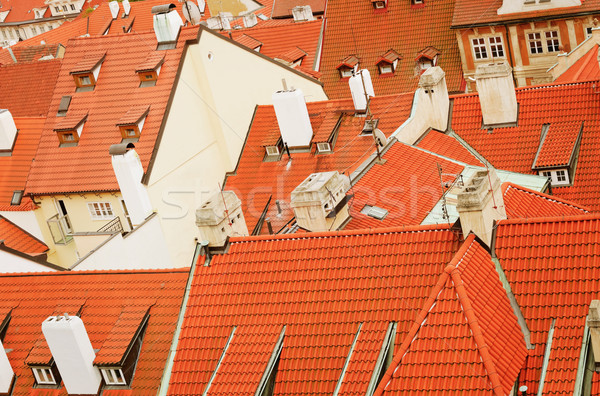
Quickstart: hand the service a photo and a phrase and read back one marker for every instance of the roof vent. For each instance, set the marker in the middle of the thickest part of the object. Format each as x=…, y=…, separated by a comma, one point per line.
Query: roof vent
x=126, y=8
x=167, y=24
x=292, y=117
x=8, y=130
x=73, y=353
x=220, y=217
x=361, y=88
x=496, y=93
x=302, y=13
x=114, y=9
x=250, y=20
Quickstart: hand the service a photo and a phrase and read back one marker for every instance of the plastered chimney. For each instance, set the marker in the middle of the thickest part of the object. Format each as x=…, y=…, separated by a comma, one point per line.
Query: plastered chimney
x=497, y=95
x=361, y=86
x=480, y=204
x=319, y=202
x=434, y=97
x=6, y=372
x=593, y=322
x=73, y=353
x=126, y=7
x=220, y=217
x=8, y=130
x=129, y=172
x=114, y=9
x=167, y=23
x=292, y=118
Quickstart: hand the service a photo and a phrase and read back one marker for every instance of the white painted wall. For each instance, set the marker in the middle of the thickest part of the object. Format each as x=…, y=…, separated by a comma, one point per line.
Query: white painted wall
x=514, y=6
x=26, y=220
x=10, y=263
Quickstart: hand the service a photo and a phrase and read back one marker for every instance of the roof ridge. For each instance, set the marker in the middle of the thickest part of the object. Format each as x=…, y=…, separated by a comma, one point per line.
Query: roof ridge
x=548, y=219
x=507, y=185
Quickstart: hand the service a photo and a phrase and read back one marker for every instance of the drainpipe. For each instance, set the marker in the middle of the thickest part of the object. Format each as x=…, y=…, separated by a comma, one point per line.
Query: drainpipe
x=510, y=56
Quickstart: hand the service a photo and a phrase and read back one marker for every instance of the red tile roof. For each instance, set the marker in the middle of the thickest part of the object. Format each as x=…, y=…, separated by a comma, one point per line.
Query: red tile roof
x=322, y=287
x=353, y=28
x=388, y=57
x=484, y=350
x=18, y=239
x=408, y=186
x=20, y=96
x=448, y=146
x=89, y=62
x=521, y=202
x=151, y=62
x=20, y=10
x=484, y=12
x=551, y=264
x=248, y=41
x=28, y=53
x=514, y=148
x=257, y=183
x=292, y=55
x=15, y=167
x=428, y=52
x=104, y=295
x=558, y=145
x=586, y=68
x=283, y=8
x=87, y=166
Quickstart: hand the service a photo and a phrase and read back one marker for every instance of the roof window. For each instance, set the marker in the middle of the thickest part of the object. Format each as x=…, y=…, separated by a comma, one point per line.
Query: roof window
x=85, y=73
x=417, y=3
x=426, y=58
x=375, y=212
x=379, y=5
x=348, y=66
x=370, y=126
x=387, y=62
x=273, y=148
x=302, y=13
x=63, y=106
x=324, y=148
x=17, y=197
x=69, y=129
x=132, y=123
x=149, y=70
x=46, y=375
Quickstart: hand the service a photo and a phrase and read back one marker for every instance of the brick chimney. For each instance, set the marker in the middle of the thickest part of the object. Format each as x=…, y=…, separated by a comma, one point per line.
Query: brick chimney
x=220, y=217
x=480, y=203
x=497, y=95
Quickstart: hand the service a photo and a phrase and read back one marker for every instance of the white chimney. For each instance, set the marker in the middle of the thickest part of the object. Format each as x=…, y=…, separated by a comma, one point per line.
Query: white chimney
x=220, y=217
x=434, y=102
x=302, y=13
x=8, y=130
x=126, y=7
x=225, y=17
x=292, y=117
x=250, y=20
x=320, y=202
x=6, y=372
x=73, y=353
x=114, y=9
x=360, y=84
x=202, y=5
x=129, y=172
x=497, y=95
x=480, y=204
x=167, y=23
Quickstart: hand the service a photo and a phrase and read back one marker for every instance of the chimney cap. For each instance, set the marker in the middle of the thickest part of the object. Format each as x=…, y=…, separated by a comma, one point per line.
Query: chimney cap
x=120, y=149
x=163, y=8
x=432, y=76
x=490, y=70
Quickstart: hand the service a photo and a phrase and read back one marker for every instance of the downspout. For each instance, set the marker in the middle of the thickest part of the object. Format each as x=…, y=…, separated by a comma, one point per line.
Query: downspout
x=510, y=56
x=164, y=383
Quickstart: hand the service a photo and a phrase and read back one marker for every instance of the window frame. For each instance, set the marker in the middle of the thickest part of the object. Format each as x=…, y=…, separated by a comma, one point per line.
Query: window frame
x=62, y=136
x=481, y=45
x=43, y=370
x=116, y=373
x=106, y=213
x=489, y=47
x=544, y=47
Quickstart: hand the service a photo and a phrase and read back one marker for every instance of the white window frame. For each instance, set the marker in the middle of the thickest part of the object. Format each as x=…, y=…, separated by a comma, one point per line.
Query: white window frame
x=43, y=375
x=497, y=46
x=105, y=209
x=113, y=376
x=530, y=40
x=386, y=68
x=543, y=39
x=556, y=178
x=481, y=45
x=555, y=48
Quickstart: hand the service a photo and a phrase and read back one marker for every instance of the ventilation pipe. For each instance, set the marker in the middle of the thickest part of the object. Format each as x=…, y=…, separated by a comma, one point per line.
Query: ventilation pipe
x=292, y=117
x=8, y=130
x=73, y=353
x=167, y=23
x=114, y=9
x=496, y=93
x=6, y=372
x=129, y=172
x=361, y=87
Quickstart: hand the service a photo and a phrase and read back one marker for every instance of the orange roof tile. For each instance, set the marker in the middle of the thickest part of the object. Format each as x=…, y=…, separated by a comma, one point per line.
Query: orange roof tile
x=514, y=148
x=278, y=179
x=292, y=55
x=20, y=96
x=586, y=68
x=18, y=239
x=448, y=146
x=104, y=295
x=152, y=61
x=349, y=61
x=521, y=202
x=71, y=121
x=15, y=167
x=558, y=145
x=248, y=41
x=388, y=57
x=483, y=12
x=134, y=115
x=20, y=10
x=28, y=53
x=283, y=8
x=354, y=28
x=408, y=186
x=88, y=63
x=87, y=166
x=551, y=264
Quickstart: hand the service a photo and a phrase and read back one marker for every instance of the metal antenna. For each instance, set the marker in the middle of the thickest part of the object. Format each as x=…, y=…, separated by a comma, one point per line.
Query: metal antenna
x=445, y=215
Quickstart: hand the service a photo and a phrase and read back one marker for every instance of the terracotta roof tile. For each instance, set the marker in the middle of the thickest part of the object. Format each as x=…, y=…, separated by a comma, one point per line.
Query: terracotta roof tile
x=248, y=41
x=558, y=145
x=550, y=264
x=134, y=115
x=448, y=146
x=152, y=61
x=103, y=295
x=292, y=55
x=388, y=57
x=283, y=8
x=89, y=62
x=521, y=202
x=353, y=28
x=428, y=52
x=349, y=61
x=20, y=10
x=28, y=53
x=18, y=239
x=71, y=121
x=586, y=68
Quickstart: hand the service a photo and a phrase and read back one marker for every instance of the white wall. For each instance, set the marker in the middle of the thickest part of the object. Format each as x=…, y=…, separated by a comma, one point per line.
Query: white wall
x=26, y=220
x=10, y=263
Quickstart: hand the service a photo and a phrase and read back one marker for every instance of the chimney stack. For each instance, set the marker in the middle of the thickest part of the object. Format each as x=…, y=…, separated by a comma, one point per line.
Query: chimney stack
x=480, y=204
x=220, y=217
x=250, y=20
x=114, y=9
x=73, y=353
x=167, y=23
x=8, y=130
x=292, y=118
x=593, y=322
x=129, y=172
x=497, y=95
x=302, y=13
x=434, y=96
x=320, y=202
x=6, y=372
x=361, y=86
x=126, y=7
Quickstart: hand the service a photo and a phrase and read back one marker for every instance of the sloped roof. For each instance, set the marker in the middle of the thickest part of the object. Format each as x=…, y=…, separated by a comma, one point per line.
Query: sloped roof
x=558, y=145
x=28, y=53
x=483, y=12
x=283, y=8
x=482, y=352
x=15, y=168
x=448, y=146
x=103, y=295
x=18, y=239
x=248, y=41
x=521, y=202
x=292, y=55
x=20, y=10
x=20, y=96
x=87, y=166
x=408, y=186
x=552, y=265
x=514, y=148
x=279, y=178
x=586, y=68
x=353, y=27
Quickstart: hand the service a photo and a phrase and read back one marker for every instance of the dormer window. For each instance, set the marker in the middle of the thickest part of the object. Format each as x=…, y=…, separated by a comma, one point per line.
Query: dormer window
x=379, y=4
x=113, y=376
x=348, y=66
x=149, y=70
x=132, y=122
x=558, y=152
x=324, y=148
x=293, y=57
x=427, y=58
x=46, y=375
x=416, y=2
x=86, y=72
x=69, y=129
x=387, y=62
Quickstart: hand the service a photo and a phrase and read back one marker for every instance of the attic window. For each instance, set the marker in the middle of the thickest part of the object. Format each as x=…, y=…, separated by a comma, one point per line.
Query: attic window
x=387, y=62
x=379, y=4
x=427, y=58
x=69, y=130
x=348, y=66
x=374, y=212
x=46, y=375
x=113, y=376
x=416, y=2
x=17, y=197
x=273, y=147
x=323, y=148
x=149, y=70
x=85, y=73
x=132, y=123
x=63, y=107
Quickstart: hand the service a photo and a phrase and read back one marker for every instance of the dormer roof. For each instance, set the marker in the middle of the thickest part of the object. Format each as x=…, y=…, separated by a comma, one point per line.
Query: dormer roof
x=389, y=57
x=134, y=115
x=558, y=145
x=89, y=62
x=349, y=62
x=152, y=62
x=428, y=53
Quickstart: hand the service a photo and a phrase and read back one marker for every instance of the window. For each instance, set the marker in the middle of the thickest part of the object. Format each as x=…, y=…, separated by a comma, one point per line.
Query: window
x=588, y=31
x=42, y=29
x=496, y=47
x=17, y=197
x=547, y=174
x=425, y=64
x=375, y=212
x=43, y=376
x=68, y=137
x=113, y=376
x=323, y=148
x=56, y=9
x=479, y=48
x=552, y=41
x=561, y=176
x=272, y=150
x=346, y=72
x=535, y=43
x=386, y=68
x=34, y=30
x=378, y=5
x=72, y=7
x=129, y=131
x=64, y=8
x=100, y=210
